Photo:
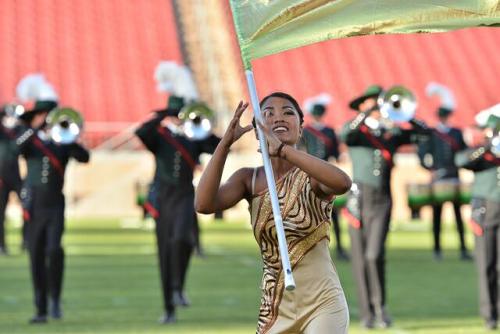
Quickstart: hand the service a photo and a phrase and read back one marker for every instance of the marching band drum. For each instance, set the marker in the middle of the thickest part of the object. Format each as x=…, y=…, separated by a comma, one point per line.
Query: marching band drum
x=422, y=194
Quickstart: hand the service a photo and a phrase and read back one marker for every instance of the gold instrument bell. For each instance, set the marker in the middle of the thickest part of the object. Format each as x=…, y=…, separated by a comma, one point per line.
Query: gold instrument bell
x=397, y=104
x=197, y=120
x=65, y=125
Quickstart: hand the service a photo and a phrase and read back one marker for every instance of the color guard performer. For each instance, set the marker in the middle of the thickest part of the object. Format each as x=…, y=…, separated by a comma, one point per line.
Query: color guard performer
x=305, y=186
x=485, y=218
x=371, y=147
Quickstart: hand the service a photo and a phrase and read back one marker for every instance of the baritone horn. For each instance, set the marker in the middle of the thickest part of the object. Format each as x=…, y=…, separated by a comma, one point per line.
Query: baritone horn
x=65, y=125
x=197, y=120
x=398, y=104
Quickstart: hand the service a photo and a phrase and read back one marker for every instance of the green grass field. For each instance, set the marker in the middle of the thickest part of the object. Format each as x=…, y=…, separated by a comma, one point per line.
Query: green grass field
x=112, y=283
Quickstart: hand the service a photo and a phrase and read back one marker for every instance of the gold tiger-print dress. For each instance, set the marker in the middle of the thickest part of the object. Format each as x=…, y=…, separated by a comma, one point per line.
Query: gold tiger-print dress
x=306, y=219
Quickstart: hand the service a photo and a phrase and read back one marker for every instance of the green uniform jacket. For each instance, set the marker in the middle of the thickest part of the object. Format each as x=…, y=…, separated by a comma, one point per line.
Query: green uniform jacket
x=176, y=155
x=437, y=152
x=372, y=151
x=486, y=169
x=322, y=143
x=46, y=163
x=9, y=166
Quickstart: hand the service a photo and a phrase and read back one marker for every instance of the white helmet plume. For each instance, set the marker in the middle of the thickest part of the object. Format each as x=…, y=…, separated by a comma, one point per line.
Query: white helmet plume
x=446, y=95
x=34, y=87
x=175, y=79
x=482, y=117
x=323, y=99
x=165, y=74
x=184, y=85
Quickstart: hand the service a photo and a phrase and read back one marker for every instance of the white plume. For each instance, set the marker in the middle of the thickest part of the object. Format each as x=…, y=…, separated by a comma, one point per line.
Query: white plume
x=34, y=87
x=175, y=79
x=184, y=85
x=165, y=74
x=446, y=95
x=323, y=99
x=482, y=117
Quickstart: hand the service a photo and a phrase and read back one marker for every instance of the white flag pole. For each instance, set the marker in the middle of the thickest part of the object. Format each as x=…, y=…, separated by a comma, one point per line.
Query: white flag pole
x=271, y=184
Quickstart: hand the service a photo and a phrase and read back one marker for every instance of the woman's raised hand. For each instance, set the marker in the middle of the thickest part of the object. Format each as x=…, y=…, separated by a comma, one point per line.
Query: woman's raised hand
x=273, y=143
x=235, y=130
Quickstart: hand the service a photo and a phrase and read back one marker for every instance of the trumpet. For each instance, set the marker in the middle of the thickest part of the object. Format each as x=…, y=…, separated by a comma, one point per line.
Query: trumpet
x=197, y=120
x=397, y=104
x=64, y=125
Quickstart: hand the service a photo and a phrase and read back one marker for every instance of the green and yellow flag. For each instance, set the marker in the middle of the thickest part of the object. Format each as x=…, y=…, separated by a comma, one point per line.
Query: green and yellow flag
x=265, y=27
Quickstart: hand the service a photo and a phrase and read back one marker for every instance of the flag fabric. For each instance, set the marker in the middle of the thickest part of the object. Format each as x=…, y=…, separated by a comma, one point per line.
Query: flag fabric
x=266, y=27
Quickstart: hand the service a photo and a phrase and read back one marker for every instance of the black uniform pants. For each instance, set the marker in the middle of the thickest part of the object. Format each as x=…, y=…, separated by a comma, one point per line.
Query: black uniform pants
x=368, y=249
x=436, y=225
x=175, y=233
x=6, y=187
x=336, y=230
x=487, y=215
x=45, y=231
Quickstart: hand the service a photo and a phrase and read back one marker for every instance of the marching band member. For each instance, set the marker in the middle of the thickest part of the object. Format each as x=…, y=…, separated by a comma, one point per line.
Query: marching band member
x=176, y=158
x=321, y=142
x=485, y=219
x=437, y=153
x=176, y=150
x=371, y=147
x=10, y=179
x=42, y=195
x=305, y=185
x=45, y=203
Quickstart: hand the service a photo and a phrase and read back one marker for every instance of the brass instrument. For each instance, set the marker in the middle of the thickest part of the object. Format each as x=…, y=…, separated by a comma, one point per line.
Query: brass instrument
x=64, y=125
x=197, y=120
x=397, y=104
x=12, y=113
x=495, y=145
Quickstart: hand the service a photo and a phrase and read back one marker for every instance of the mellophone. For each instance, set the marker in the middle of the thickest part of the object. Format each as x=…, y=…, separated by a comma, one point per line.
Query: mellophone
x=439, y=192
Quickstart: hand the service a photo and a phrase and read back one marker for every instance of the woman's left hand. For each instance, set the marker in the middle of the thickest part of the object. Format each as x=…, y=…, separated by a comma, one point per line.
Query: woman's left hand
x=273, y=143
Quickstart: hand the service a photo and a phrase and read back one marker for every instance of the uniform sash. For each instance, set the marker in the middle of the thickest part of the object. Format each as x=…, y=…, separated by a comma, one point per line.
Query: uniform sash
x=386, y=154
x=49, y=154
x=178, y=146
x=324, y=138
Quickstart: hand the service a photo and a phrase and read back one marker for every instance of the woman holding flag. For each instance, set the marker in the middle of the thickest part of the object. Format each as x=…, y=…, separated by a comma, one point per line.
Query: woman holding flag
x=305, y=188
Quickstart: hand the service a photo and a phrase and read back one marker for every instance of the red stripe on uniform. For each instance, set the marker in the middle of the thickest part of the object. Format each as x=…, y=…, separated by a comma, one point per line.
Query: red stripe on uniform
x=476, y=228
x=375, y=142
x=151, y=210
x=185, y=154
x=353, y=221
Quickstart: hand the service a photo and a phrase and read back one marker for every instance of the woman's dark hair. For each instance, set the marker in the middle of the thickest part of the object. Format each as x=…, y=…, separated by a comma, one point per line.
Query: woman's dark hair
x=286, y=97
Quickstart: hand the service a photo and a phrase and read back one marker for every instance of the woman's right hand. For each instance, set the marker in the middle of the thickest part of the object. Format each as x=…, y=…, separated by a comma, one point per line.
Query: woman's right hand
x=235, y=130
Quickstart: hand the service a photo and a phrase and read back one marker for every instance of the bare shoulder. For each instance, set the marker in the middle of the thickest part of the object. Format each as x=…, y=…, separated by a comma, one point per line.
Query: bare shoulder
x=243, y=174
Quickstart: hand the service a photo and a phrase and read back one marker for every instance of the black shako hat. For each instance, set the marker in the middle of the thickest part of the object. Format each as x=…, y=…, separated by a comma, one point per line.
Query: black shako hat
x=444, y=112
x=39, y=107
x=372, y=92
x=174, y=105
